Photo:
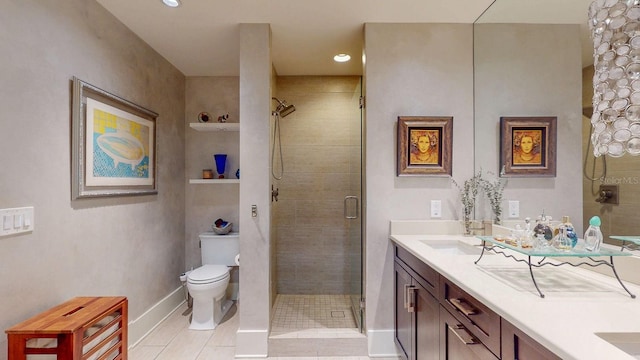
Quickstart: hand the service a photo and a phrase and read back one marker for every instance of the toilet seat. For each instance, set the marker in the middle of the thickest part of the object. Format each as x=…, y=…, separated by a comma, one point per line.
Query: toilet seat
x=208, y=274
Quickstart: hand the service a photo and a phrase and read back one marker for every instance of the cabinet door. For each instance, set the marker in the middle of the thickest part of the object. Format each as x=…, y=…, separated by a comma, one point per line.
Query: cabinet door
x=427, y=324
x=403, y=318
x=416, y=318
x=517, y=345
x=457, y=343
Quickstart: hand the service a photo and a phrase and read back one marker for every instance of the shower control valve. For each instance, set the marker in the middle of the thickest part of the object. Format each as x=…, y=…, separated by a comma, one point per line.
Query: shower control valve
x=608, y=194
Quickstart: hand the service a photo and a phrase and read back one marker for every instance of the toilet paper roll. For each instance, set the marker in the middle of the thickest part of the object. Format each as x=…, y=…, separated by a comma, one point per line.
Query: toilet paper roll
x=237, y=259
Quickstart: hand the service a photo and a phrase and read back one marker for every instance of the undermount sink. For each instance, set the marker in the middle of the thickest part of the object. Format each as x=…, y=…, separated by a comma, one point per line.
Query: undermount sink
x=453, y=247
x=627, y=342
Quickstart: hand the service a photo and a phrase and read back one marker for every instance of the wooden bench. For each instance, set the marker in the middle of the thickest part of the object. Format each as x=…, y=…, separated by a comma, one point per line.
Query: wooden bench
x=83, y=328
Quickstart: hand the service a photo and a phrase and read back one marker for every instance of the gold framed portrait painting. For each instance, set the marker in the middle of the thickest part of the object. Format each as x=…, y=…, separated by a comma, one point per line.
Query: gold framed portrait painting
x=424, y=145
x=528, y=146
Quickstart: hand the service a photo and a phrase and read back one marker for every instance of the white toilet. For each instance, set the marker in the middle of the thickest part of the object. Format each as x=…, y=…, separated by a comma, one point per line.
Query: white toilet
x=207, y=284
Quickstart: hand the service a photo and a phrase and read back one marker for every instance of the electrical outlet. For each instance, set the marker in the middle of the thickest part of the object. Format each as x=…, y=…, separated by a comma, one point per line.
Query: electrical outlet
x=436, y=209
x=514, y=208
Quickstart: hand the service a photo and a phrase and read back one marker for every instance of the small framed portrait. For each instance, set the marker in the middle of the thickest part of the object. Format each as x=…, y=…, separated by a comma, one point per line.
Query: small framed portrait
x=528, y=146
x=424, y=145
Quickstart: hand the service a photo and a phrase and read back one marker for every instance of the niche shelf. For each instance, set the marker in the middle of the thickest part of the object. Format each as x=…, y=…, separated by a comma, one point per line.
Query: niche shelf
x=215, y=126
x=214, y=181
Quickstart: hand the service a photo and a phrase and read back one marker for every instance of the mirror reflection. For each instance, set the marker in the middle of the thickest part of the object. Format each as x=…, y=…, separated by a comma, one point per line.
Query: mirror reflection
x=536, y=59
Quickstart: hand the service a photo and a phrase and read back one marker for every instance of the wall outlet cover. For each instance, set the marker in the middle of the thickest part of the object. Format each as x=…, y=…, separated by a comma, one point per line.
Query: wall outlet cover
x=436, y=208
x=514, y=208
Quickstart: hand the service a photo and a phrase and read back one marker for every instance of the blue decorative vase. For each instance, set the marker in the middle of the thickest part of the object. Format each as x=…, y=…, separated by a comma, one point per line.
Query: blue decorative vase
x=221, y=163
x=238, y=174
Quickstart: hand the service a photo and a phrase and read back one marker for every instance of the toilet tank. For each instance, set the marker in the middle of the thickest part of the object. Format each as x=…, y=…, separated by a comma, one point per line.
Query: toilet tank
x=219, y=249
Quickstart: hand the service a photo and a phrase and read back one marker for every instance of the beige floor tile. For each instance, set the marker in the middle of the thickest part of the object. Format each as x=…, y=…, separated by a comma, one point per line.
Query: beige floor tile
x=145, y=352
x=225, y=333
x=217, y=353
x=172, y=340
x=187, y=345
x=168, y=329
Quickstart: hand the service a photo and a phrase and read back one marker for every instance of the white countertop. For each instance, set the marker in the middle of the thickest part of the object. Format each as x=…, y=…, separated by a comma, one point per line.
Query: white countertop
x=578, y=303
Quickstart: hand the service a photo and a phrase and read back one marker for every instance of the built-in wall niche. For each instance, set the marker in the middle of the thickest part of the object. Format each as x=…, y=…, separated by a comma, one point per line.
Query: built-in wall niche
x=215, y=127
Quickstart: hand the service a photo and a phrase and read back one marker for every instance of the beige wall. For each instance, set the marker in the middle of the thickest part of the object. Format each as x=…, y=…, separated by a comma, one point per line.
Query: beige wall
x=131, y=246
x=321, y=152
x=411, y=69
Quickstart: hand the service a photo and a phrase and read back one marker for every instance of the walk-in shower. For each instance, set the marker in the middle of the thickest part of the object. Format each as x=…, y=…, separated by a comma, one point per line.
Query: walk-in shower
x=316, y=224
x=282, y=110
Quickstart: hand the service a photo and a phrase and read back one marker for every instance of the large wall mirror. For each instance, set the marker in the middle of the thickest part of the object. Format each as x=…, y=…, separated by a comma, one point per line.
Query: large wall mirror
x=531, y=59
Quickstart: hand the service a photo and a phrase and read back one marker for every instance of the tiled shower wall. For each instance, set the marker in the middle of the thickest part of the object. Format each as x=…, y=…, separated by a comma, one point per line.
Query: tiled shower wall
x=321, y=150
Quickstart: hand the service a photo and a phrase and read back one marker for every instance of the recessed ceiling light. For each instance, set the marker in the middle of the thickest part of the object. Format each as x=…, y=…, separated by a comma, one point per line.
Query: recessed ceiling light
x=171, y=3
x=342, y=58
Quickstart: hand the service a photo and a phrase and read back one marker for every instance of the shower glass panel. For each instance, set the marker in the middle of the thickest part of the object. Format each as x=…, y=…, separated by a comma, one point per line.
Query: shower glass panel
x=356, y=244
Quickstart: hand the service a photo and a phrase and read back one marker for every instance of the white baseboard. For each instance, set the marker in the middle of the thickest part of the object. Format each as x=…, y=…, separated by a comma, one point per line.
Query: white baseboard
x=252, y=344
x=381, y=343
x=143, y=325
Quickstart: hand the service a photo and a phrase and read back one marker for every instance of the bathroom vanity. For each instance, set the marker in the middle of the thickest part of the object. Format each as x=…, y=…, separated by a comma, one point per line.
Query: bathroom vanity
x=448, y=307
x=435, y=319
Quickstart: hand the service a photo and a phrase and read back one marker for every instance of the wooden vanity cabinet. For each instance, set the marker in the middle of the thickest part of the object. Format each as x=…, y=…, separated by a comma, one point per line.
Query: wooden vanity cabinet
x=435, y=319
x=416, y=310
x=516, y=345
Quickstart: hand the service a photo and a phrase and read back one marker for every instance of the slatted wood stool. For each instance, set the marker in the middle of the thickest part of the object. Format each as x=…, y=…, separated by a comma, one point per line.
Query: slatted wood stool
x=83, y=328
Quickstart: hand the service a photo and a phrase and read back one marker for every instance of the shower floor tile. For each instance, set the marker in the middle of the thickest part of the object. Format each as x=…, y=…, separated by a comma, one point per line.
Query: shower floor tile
x=312, y=312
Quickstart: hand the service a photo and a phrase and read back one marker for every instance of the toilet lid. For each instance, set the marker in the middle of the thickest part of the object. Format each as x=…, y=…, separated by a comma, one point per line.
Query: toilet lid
x=208, y=273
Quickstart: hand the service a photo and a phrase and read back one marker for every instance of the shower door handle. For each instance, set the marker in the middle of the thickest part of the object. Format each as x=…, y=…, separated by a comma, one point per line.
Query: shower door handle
x=347, y=200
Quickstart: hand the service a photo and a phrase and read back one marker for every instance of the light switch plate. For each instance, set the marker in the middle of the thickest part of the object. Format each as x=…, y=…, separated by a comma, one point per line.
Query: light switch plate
x=16, y=220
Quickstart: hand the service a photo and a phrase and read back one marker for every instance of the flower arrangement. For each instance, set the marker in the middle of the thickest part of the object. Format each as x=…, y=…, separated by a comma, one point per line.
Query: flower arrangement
x=493, y=190
x=468, y=195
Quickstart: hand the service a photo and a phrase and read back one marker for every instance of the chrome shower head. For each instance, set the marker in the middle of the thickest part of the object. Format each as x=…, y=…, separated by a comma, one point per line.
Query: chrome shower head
x=283, y=109
x=286, y=110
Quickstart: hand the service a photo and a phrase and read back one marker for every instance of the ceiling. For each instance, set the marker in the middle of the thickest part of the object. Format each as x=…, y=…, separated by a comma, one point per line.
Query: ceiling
x=201, y=37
